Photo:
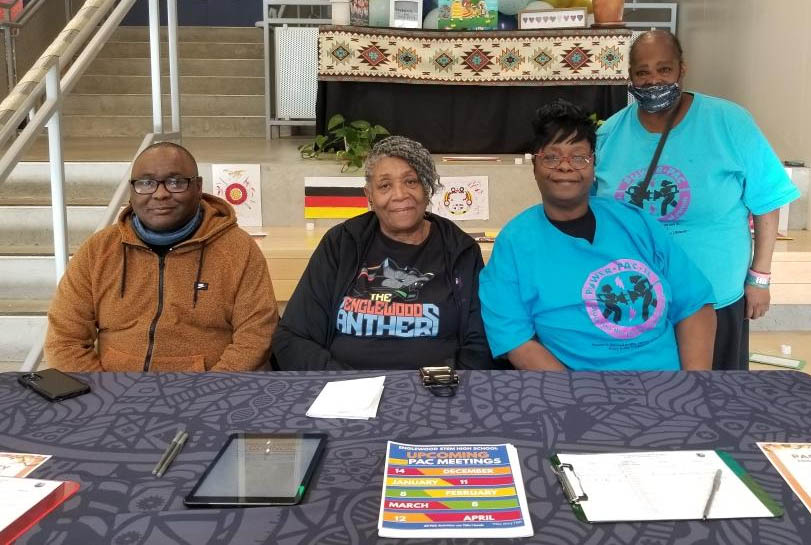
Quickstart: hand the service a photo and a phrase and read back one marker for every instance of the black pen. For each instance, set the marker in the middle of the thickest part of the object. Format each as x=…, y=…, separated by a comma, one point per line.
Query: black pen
x=166, y=452
x=716, y=482
x=173, y=454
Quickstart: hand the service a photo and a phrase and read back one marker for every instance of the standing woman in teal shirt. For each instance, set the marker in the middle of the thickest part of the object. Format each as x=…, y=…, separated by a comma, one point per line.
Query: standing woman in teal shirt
x=715, y=167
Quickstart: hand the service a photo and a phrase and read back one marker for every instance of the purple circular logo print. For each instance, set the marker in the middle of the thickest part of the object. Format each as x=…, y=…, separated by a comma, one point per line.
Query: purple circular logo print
x=667, y=196
x=624, y=298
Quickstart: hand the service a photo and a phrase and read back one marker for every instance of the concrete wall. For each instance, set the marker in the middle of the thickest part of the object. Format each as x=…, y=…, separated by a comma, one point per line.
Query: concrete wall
x=35, y=37
x=755, y=53
x=512, y=189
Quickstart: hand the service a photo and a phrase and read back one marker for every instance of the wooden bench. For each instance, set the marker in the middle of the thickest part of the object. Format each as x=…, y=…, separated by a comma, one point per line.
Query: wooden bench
x=288, y=249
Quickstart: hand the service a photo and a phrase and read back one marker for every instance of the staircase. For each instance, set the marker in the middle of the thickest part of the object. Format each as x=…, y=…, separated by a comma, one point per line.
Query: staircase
x=222, y=95
x=26, y=242
x=221, y=84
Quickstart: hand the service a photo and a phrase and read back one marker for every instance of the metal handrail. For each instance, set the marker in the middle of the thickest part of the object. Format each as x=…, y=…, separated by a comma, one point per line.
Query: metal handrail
x=42, y=84
x=22, y=98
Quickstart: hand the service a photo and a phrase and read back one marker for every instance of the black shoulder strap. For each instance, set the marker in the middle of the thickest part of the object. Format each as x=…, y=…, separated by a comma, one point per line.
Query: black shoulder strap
x=659, y=147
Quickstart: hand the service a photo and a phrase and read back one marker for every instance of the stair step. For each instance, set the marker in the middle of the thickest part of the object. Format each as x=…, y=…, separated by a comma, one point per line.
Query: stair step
x=198, y=85
x=27, y=278
x=192, y=34
x=25, y=250
x=20, y=323
x=32, y=226
x=141, y=104
x=23, y=307
x=75, y=197
x=86, y=184
x=186, y=50
x=207, y=126
x=106, y=173
x=187, y=67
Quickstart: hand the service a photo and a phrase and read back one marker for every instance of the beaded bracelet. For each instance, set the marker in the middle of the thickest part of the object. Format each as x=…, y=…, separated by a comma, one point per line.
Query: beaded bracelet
x=758, y=279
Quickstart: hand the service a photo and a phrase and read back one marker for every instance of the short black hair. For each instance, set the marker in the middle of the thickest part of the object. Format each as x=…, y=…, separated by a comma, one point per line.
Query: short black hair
x=561, y=121
x=654, y=35
x=171, y=145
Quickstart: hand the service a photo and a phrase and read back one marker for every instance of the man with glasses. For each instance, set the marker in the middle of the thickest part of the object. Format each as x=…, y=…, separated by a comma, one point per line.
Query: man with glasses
x=590, y=284
x=174, y=285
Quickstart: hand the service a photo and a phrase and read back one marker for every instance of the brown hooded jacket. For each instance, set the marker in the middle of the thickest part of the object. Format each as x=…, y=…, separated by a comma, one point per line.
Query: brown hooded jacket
x=208, y=304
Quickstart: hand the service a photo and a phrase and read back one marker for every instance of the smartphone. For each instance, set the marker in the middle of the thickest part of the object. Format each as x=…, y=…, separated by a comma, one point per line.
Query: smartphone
x=53, y=384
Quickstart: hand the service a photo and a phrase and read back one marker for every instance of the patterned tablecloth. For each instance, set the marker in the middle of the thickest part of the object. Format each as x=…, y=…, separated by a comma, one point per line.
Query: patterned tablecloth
x=109, y=441
x=571, y=57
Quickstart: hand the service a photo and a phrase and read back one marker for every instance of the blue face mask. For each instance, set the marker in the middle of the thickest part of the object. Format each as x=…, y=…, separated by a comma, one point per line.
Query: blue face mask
x=656, y=98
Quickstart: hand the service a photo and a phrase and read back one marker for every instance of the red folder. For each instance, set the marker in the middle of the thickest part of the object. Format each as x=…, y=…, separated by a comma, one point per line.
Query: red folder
x=40, y=510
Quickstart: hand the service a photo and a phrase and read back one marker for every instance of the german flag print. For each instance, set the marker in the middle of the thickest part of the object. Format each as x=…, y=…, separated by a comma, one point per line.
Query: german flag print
x=334, y=197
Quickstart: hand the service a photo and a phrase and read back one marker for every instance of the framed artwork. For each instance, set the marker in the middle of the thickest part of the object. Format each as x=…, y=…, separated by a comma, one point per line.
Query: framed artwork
x=468, y=14
x=405, y=14
x=359, y=12
x=241, y=187
x=552, y=18
x=462, y=198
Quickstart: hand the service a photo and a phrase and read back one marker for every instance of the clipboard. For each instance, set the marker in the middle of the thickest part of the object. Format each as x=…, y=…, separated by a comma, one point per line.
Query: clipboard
x=658, y=486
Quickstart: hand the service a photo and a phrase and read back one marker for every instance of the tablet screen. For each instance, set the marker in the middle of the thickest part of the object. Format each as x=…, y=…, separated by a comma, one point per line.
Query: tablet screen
x=259, y=469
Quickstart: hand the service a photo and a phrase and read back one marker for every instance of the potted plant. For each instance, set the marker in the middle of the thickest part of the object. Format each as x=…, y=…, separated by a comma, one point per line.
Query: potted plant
x=608, y=12
x=350, y=142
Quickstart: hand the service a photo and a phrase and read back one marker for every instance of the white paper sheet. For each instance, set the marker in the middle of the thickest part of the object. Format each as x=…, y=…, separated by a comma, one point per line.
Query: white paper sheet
x=241, y=186
x=670, y=485
x=354, y=399
x=462, y=198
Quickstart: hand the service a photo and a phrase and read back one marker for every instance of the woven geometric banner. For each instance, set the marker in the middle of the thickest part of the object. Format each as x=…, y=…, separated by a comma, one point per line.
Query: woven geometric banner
x=575, y=57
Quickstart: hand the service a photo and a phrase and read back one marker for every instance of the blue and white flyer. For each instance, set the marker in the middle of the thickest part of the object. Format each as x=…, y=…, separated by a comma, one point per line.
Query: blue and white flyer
x=448, y=491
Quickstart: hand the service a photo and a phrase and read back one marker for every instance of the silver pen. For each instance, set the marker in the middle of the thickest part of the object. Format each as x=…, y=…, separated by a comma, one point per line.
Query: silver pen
x=173, y=454
x=169, y=448
x=716, y=483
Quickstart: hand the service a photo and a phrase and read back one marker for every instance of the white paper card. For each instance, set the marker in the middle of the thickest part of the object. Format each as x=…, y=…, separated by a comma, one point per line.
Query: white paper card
x=15, y=464
x=241, y=186
x=353, y=399
x=462, y=198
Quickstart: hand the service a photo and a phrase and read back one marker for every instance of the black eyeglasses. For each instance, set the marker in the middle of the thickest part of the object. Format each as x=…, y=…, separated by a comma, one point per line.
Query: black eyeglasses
x=173, y=184
x=553, y=160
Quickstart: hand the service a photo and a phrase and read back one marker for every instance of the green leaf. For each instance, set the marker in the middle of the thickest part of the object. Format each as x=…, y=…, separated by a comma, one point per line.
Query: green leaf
x=320, y=140
x=596, y=120
x=334, y=121
x=379, y=130
x=360, y=124
x=307, y=151
x=352, y=138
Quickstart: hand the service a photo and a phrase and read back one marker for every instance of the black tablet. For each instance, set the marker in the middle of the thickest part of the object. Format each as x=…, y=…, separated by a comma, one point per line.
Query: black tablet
x=259, y=469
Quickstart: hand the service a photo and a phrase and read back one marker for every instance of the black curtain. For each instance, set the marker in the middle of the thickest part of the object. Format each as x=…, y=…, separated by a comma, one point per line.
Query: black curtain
x=201, y=13
x=458, y=118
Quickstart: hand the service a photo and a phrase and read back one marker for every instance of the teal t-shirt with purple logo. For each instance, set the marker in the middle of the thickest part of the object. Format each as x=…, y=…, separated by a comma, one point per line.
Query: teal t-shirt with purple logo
x=610, y=305
x=716, y=167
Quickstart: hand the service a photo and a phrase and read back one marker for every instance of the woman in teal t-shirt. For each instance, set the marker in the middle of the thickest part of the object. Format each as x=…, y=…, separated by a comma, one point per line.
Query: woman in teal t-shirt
x=590, y=284
x=715, y=168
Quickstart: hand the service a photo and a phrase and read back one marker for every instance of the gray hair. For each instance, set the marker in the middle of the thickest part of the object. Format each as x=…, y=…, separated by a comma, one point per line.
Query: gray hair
x=410, y=151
